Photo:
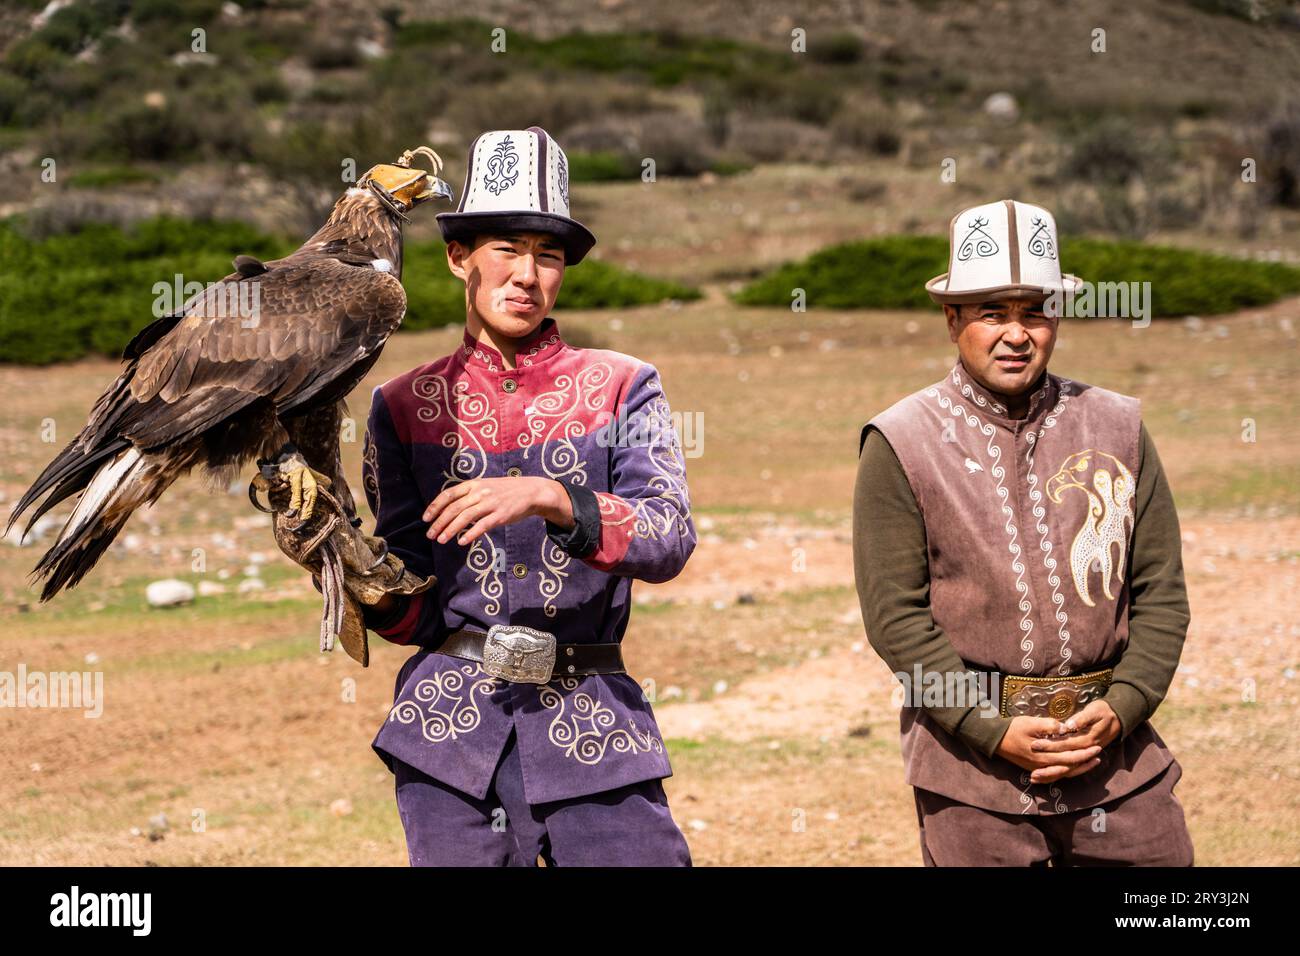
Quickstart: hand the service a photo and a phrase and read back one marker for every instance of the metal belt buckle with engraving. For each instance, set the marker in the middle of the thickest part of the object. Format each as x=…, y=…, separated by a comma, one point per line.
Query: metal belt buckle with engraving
x=1058, y=698
x=522, y=655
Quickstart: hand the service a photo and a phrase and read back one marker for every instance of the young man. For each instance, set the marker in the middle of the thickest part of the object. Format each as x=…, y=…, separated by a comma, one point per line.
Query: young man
x=505, y=469
x=1016, y=527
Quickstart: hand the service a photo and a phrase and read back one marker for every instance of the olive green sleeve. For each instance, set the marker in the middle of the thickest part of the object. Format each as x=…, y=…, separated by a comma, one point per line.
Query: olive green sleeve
x=1158, y=613
x=893, y=577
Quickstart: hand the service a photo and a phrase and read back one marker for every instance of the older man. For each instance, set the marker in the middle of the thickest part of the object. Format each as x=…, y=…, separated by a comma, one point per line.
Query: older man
x=1015, y=528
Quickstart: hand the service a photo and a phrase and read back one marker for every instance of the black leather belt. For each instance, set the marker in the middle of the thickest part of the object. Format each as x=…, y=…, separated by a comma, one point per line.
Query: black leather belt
x=570, y=660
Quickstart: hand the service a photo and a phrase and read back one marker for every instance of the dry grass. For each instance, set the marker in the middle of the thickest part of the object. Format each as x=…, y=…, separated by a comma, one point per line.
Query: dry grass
x=777, y=713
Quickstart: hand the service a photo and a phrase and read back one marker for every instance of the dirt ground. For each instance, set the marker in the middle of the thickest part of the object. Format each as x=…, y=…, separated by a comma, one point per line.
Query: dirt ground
x=226, y=737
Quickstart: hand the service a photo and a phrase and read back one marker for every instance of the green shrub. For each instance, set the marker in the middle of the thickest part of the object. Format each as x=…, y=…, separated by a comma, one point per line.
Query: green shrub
x=836, y=48
x=593, y=284
x=601, y=167
x=891, y=273
x=90, y=291
x=13, y=92
x=31, y=57
x=107, y=177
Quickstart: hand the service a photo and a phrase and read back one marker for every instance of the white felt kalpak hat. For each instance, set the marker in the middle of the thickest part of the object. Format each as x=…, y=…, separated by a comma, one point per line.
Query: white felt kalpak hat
x=517, y=179
x=1001, y=250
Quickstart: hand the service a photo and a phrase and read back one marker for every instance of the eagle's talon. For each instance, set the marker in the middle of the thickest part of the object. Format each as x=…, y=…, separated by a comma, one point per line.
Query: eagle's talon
x=305, y=485
x=259, y=483
x=383, y=554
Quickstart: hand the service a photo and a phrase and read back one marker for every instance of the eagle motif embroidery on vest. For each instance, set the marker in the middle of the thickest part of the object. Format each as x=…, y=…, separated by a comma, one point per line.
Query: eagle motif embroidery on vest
x=1110, y=490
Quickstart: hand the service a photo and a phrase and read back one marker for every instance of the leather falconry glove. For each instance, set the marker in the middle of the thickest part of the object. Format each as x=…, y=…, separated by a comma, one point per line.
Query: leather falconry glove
x=349, y=567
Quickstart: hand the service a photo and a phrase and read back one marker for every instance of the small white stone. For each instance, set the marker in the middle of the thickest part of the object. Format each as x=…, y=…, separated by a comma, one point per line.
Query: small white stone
x=169, y=592
x=1002, y=107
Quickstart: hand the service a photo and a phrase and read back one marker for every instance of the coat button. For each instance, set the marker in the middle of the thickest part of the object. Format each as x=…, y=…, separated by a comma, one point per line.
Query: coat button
x=509, y=385
x=513, y=472
x=521, y=570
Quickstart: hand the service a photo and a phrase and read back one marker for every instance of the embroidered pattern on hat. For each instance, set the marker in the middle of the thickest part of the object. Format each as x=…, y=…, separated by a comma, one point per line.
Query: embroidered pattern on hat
x=564, y=181
x=501, y=171
x=980, y=248
x=1040, y=243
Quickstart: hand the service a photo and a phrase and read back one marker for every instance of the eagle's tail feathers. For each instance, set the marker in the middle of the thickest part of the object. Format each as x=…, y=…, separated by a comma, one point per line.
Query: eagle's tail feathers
x=117, y=489
x=67, y=474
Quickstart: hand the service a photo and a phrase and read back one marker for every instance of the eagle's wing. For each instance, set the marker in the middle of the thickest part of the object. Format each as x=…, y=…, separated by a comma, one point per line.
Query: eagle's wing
x=315, y=319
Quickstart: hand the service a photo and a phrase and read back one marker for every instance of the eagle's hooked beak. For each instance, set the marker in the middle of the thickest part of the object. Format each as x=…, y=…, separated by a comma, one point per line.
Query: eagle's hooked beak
x=434, y=188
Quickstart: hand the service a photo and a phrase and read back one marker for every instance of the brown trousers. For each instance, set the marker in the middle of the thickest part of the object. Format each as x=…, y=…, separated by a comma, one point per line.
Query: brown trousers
x=1142, y=828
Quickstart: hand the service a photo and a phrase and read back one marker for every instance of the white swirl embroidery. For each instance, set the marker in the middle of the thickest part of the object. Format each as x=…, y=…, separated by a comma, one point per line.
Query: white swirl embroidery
x=974, y=396
x=668, y=510
x=474, y=420
x=1026, y=801
x=559, y=457
x=587, y=733
x=999, y=473
x=370, y=470
x=474, y=423
x=554, y=415
x=482, y=561
x=470, y=351
x=1044, y=543
x=1061, y=806
x=550, y=580
x=540, y=346
x=447, y=714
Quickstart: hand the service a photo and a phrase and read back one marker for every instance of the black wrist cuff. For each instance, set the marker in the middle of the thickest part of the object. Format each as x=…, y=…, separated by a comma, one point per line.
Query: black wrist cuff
x=584, y=537
x=377, y=622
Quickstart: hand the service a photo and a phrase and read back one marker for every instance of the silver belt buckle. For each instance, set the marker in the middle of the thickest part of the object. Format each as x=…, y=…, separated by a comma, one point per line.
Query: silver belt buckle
x=522, y=655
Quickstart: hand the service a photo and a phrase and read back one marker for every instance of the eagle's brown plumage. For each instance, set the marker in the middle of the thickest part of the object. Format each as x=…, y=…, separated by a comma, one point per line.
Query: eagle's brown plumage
x=208, y=387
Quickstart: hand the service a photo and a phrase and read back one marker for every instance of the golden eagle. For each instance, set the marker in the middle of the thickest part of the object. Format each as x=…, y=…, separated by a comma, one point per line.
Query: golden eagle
x=209, y=388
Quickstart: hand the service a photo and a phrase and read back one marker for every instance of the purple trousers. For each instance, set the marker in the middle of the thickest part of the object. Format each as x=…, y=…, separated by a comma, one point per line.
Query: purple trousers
x=628, y=826
x=1142, y=828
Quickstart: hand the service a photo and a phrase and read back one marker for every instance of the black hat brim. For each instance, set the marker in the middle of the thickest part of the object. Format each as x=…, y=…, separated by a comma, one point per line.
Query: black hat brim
x=464, y=226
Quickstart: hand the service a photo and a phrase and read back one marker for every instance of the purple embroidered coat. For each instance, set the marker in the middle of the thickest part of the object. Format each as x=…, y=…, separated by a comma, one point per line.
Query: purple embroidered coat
x=598, y=422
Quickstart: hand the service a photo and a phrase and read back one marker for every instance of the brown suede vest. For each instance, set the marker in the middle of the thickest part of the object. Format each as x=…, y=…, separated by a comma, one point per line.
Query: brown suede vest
x=1028, y=527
